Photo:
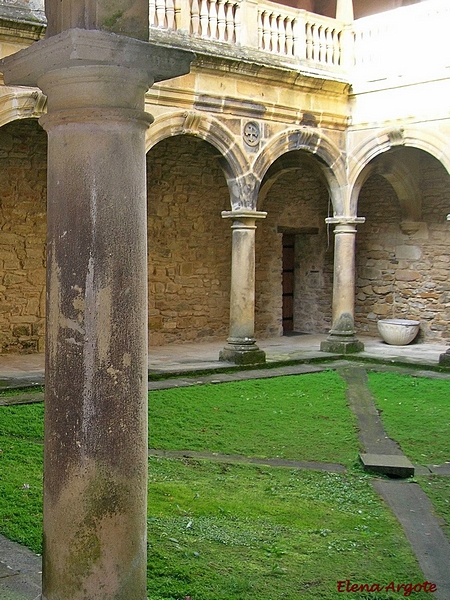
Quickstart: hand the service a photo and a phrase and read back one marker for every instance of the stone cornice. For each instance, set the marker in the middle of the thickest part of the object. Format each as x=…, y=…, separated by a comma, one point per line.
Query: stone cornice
x=249, y=62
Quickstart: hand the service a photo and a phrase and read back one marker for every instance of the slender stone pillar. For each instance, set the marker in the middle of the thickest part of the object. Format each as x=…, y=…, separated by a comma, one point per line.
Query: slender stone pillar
x=344, y=11
x=95, y=447
x=241, y=347
x=444, y=359
x=342, y=338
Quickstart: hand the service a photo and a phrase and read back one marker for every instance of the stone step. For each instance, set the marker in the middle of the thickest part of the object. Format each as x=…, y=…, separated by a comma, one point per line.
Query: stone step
x=393, y=465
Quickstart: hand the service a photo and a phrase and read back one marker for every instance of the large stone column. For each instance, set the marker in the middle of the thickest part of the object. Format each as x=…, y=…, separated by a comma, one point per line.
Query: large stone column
x=95, y=447
x=342, y=338
x=241, y=346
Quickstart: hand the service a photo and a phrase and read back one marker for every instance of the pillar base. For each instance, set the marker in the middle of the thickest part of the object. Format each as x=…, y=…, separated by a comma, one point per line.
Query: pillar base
x=444, y=359
x=341, y=344
x=243, y=354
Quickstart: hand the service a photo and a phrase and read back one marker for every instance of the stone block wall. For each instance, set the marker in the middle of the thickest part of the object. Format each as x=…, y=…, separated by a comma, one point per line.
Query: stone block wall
x=189, y=243
x=402, y=274
x=23, y=156
x=297, y=201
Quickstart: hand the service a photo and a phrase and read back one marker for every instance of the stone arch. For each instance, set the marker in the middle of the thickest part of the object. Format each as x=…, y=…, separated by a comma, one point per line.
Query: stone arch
x=311, y=140
x=232, y=160
x=402, y=248
x=402, y=179
x=189, y=242
x=21, y=103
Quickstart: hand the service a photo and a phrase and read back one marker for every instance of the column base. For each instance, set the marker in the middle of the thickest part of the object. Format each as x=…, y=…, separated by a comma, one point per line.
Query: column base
x=341, y=344
x=243, y=354
x=444, y=359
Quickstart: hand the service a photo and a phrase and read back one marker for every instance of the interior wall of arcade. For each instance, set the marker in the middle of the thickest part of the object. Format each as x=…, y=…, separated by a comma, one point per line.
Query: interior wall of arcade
x=403, y=272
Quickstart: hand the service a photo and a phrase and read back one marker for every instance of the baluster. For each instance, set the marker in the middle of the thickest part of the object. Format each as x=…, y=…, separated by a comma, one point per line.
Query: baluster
x=274, y=32
x=323, y=44
x=151, y=15
x=170, y=14
x=161, y=13
x=329, y=46
x=213, y=20
x=195, y=18
x=177, y=14
x=309, y=42
x=237, y=23
x=204, y=18
x=260, y=30
x=266, y=30
x=282, y=23
x=230, y=22
x=336, y=47
x=221, y=22
x=289, y=37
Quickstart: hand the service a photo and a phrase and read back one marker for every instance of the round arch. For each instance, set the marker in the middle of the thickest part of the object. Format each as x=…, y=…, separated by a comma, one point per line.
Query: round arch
x=311, y=140
x=232, y=160
x=430, y=141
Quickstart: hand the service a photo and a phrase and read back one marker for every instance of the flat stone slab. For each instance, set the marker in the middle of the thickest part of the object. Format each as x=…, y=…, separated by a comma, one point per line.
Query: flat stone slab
x=443, y=470
x=388, y=464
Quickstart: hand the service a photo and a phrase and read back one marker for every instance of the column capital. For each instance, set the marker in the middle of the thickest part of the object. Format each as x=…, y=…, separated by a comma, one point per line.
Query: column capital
x=84, y=48
x=341, y=220
x=242, y=214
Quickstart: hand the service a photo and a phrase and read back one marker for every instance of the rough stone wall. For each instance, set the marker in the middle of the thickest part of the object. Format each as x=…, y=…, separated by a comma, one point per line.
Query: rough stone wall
x=399, y=275
x=298, y=200
x=23, y=156
x=189, y=243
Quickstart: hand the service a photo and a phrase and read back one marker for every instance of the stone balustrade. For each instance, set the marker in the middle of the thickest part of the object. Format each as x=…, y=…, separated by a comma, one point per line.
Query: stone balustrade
x=260, y=24
x=376, y=48
x=409, y=42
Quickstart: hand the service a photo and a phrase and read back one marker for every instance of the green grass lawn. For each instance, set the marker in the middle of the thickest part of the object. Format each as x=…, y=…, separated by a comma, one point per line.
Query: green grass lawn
x=240, y=532
x=415, y=413
x=297, y=417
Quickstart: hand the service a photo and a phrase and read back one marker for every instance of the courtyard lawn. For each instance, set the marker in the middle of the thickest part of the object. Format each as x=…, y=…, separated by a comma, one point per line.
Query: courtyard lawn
x=297, y=417
x=415, y=413
x=220, y=531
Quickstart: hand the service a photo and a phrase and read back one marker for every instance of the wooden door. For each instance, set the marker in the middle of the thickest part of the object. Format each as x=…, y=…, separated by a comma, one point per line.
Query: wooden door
x=288, y=282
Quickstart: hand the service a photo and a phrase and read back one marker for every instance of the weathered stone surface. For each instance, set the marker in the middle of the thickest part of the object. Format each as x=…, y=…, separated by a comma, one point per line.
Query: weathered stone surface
x=23, y=155
x=392, y=465
x=409, y=289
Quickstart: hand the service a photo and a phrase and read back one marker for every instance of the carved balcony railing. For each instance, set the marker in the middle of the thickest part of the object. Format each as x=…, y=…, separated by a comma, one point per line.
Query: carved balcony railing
x=409, y=43
x=259, y=24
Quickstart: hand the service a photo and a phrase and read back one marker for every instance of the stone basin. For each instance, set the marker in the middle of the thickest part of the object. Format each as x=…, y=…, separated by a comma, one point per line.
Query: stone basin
x=398, y=332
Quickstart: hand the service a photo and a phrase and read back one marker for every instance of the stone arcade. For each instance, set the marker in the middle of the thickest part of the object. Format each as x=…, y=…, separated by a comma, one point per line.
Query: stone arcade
x=295, y=118
x=318, y=121
x=309, y=117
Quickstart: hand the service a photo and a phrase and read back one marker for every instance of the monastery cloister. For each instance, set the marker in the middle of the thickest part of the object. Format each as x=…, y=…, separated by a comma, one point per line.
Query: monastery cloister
x=298, y=176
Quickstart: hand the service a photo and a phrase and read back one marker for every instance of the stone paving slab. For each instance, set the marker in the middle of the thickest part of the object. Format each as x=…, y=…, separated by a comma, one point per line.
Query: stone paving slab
x=240, y=459
x=20, y=572
x=414, y=510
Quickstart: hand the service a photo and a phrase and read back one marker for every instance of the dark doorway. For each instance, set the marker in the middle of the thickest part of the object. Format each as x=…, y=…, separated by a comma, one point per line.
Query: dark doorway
x=288, y=282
